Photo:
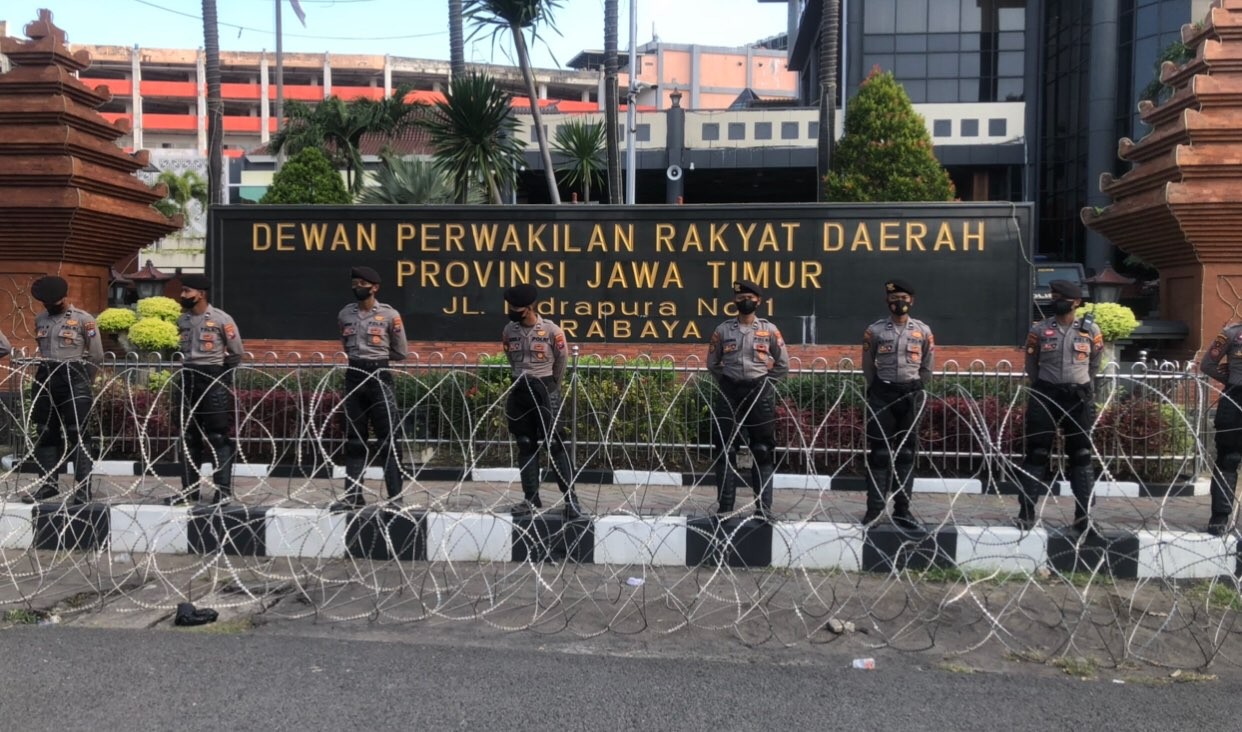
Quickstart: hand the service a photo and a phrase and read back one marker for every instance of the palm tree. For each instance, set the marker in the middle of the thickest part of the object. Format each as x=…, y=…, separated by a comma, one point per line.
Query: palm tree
x=516, y=16
x=581, y=143
x=182, y=190
x=457, y=51
x=404, y=182
x=829, y=30
x=215, y=102
x=338, y=127
x=474, y=135
x=610, y=101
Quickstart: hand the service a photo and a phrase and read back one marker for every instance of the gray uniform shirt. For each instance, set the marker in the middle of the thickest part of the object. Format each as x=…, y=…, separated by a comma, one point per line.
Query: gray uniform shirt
x=538, y=350
x=747, y=352
x=70, y=336
x=373, y=335
x=1063, y=354
x=210, y=339
x=5, y=347
x=1227, y=346
x=898, y=354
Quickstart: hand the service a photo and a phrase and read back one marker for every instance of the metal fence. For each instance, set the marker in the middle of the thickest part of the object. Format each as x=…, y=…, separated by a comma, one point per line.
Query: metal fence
x=641, y=414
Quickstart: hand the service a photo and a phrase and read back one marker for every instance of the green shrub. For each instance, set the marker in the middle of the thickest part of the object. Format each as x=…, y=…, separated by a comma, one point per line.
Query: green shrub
x=153, y=335
x=308, y=177
x=116, y=320
x=1116, y=321
x=164, y=308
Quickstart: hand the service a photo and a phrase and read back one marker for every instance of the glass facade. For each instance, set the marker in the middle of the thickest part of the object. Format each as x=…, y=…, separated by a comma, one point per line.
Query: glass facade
x=945, y=51
x=1063, y=127
x=1147, y=28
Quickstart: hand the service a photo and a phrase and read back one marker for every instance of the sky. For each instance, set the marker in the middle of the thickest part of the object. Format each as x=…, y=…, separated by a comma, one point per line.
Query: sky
x=411, y=28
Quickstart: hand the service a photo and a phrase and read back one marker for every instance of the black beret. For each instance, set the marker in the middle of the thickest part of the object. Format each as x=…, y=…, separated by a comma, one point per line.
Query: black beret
x=1066, y=289
x=742, y=286
x=196, y=282
x=898, y=286
x=520, y=296
x=366, y=274
x=49, y=289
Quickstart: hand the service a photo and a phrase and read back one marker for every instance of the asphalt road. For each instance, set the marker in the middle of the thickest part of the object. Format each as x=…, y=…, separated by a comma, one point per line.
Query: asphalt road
x=66, y=678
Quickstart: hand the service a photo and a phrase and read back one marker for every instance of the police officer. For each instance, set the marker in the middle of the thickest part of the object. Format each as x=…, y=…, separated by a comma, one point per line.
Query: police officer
x=1228, y=424
x=898, y=355
x=5, y=347
x=62, y=389
x=746, y=355
x=538, y=354
x=210, y=349
x=1062, y=357
x=372, y=335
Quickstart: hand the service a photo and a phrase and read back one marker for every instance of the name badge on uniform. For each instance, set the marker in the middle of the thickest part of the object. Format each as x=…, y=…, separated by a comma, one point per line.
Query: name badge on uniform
x=1048, y=346
x=916, y=334
x=885, y=347
x=729, y=347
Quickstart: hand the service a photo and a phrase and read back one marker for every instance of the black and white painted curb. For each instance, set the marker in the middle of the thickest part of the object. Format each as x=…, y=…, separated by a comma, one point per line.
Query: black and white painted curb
x=377, y=533
x=780, y=481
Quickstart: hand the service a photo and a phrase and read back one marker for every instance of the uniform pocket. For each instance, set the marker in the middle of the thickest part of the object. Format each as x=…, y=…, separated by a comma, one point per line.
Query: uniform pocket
x=375, y=334
x=914, y=353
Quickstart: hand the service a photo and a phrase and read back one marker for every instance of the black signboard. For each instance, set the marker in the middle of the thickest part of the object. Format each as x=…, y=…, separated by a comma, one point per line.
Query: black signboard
x=634, y=275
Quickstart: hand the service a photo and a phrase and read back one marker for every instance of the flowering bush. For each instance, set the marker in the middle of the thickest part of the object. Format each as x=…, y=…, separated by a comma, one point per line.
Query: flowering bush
x=116, y=320
x=154, y=335
x=1116, y=321
x=164, y=308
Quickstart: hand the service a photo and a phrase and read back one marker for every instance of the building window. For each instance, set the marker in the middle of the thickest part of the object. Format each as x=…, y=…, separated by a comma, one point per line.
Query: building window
x=737, y=130
x=970, y=128
x=942, y=128
x=789, y=130
x=998, y=127
x=763, y=130
x=534, y=134
x=642, y=133
x=711, y=130
x=812, y=130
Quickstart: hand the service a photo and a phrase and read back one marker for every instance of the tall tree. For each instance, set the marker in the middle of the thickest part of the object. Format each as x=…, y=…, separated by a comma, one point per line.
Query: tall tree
x=406, y=182
x=339, y=126
x=581, y=143
x=886, y=152
x=516, y=17
x=473, y=134
x=829, y=36
x=183, y=189
x=457, y=50
x=215, y=103
x=611, y=109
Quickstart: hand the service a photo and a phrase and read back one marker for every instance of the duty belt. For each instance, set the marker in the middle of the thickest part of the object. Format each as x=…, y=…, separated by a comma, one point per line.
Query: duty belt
x=358, y=363
x=899, y=387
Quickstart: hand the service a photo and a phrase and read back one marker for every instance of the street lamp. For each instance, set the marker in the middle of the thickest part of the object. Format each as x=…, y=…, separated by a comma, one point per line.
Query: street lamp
x=1107, y=285
x=149, y=281
x=118, y=288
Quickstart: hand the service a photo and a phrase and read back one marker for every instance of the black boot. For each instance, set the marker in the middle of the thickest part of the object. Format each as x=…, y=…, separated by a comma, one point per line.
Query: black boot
x=394, y=482
x=191, y=463
x=353, y=499
x=1032, y=485
x=1082, y=480
x=81, y=476
x=726, y=487
x=763, y=490
x=1224, y=490
x=902, y=492
x=223, y=476
x=877, y=492
x=564, y=474
x=45, y=488
x=530, y=489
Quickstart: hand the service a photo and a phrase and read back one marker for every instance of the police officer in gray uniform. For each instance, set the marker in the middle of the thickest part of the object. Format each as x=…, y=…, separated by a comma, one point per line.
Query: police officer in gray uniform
x=537, y=351
x=62, y=389
x=1062, y=356
x=210, y=349
x=898, y=355
x=372, y=335
x=5, y=347
x=746, y=355
x=1227, y=424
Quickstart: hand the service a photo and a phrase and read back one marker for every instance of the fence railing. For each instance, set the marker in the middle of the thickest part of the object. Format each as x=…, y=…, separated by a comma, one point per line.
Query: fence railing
x=642, y=414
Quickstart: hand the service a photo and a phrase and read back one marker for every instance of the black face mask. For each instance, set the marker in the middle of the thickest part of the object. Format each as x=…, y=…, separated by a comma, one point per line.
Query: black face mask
x=899, y=307
x=517, y=315
x=1062, y=307
x=54, y=309
x=746, y=307
x=188, y=302
x=362, y=293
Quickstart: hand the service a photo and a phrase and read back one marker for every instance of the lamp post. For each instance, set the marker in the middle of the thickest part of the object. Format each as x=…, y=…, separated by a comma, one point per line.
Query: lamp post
x=1107, y=285
x=149, y=281
x=118, y=288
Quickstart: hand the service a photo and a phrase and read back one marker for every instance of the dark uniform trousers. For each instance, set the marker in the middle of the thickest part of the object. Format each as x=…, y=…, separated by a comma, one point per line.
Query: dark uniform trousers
x=750, y=407
x=531, y=410
x=1070, y=407
x=62, y=404
x=206, y=418
x=893, y=412
x=1228, y=426
x=370, y=403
